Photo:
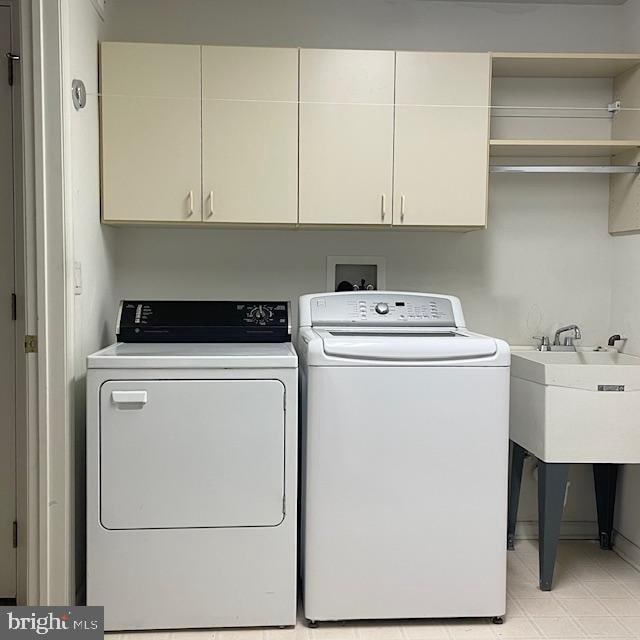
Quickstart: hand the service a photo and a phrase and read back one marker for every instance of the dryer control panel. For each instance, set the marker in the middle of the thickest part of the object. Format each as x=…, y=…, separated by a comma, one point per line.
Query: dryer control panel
x=203, y=321
x=379, y=308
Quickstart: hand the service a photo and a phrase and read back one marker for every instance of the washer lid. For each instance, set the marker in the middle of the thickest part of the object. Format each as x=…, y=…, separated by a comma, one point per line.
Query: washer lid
x=405, y=346
x=195, y=356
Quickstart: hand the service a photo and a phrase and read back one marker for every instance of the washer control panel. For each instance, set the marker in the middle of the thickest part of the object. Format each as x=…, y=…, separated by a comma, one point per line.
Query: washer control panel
x=382, y=309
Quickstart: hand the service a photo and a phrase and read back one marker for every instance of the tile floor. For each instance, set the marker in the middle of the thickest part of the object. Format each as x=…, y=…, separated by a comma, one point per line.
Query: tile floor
x=596, y=595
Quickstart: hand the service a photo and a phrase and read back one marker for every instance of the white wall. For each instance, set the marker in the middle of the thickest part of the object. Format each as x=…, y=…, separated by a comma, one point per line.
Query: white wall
x=546, y=257
x=370, y=24
x=625, y=319
x=544, y=261
x=631, y=25
x=93, y=243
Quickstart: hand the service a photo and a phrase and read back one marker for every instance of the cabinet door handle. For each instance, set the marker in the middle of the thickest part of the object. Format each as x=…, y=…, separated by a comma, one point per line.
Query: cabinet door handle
x=401, y=208
x=210, y=204
x=190, y=204
x=383, y=206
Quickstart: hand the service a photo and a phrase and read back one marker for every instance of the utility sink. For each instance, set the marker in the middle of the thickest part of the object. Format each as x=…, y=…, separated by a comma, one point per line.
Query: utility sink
x=576, y=406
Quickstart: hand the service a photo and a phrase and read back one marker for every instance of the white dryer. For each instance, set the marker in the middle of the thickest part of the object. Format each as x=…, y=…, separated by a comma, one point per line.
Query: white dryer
x=405, y=442
x=191, y=469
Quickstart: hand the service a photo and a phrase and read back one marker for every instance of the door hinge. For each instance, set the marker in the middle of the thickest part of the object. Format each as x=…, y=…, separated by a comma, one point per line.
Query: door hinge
x=31, y=344
x=15, y=534
x=12, y=58
x=14, y=307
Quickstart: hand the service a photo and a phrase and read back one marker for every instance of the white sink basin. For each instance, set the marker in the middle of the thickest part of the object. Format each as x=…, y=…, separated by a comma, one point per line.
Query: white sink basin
x=579, y=406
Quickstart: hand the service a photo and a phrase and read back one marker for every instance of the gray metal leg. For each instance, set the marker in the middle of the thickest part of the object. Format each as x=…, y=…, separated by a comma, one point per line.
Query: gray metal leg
x=518, y=454
x=605, y=478
x=552, y=486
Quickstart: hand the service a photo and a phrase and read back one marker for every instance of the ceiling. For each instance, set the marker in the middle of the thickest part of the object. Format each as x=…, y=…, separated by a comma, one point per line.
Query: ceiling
x=604, y=2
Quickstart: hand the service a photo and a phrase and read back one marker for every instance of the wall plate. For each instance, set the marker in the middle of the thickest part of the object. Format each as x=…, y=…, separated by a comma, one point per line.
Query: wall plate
x=354, y=269
x=78, y=94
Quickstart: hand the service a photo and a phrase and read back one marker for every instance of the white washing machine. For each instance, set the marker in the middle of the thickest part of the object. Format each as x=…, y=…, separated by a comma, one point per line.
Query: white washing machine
x=191, y=468
x=405, y=442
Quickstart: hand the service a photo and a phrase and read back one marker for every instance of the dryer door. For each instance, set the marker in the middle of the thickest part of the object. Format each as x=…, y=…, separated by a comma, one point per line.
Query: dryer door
x=191, y=453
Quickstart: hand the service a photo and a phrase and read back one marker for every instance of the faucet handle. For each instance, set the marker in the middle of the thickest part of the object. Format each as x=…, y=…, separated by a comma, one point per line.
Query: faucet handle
x=544, y=343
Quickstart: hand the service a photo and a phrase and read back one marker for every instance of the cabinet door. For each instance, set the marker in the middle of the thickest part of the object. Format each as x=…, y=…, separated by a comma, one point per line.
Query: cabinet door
x=346, y=136
x=441, y=139
x=250, y=135
x=151, y=112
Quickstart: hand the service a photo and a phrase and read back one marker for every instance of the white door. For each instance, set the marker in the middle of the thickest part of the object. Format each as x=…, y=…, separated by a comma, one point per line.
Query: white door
x=250, y=135
x=191, y=453
x=346, y=136
x=441, y=139
x=7, y=330
x=151, y=132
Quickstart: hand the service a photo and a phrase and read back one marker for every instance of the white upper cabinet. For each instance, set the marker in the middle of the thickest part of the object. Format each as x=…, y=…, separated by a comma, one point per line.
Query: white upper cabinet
x=250, y=135
x=151, y=133
x=346, y=137
x=256, y=135
x=441, y=139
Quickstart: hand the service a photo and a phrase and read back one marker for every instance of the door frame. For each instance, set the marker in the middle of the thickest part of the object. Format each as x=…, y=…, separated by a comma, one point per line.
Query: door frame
x=25, y=277
x=45, y=559
x=25, y=423
x=54, y=450
x=15, y=154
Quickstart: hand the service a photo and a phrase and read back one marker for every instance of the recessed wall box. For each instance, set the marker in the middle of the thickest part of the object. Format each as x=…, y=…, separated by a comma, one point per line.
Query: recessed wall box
x=363, y=272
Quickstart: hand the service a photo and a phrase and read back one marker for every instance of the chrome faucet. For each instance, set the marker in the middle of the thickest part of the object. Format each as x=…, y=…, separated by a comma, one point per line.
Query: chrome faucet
x=568, y=344
x=544, y=343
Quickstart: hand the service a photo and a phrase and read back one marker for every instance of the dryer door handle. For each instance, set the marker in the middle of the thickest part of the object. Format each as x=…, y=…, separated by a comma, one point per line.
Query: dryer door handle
x=129, y=397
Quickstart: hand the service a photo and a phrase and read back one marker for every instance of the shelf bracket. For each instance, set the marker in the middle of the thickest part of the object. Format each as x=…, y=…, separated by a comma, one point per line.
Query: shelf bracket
x=614, y=107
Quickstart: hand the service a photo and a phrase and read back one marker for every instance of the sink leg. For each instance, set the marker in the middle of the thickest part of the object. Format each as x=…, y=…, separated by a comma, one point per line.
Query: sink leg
x=518, y=454
x=605, y=478
x=552, y=487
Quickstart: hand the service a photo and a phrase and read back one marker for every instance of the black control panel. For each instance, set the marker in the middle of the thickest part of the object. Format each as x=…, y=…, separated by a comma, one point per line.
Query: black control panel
x=203, y=321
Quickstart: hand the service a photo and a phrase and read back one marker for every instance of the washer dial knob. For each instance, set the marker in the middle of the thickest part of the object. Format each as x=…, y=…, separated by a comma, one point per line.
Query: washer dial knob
x=382, y=308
